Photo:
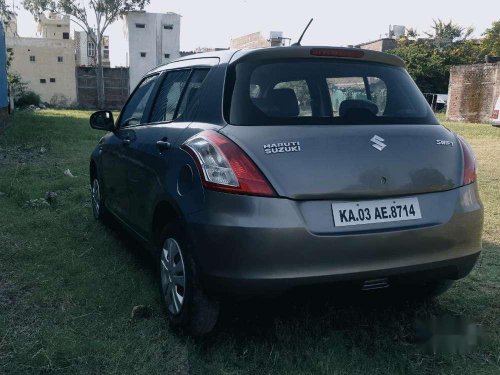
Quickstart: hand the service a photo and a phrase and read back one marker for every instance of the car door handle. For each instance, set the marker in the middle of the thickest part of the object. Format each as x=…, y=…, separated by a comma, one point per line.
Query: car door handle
x=163, y=145
x=126, y=141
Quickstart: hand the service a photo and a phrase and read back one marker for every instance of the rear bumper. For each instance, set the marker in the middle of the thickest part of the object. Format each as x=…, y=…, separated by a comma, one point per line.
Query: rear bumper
x=267, y=243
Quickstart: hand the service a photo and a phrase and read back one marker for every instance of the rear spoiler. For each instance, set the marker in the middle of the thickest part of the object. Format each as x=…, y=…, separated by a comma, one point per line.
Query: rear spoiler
x=318, y=52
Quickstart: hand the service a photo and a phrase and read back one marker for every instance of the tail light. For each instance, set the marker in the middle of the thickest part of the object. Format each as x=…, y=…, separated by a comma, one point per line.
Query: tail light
x=495, y=114
x=225, y=167
x=469, y=162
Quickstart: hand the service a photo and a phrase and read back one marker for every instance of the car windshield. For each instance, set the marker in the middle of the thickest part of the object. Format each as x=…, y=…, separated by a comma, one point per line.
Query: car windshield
x=322, y=91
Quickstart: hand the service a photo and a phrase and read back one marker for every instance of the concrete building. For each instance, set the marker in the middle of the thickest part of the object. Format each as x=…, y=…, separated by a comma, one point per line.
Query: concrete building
x=386, y=43
x=153, y=39
x=473, y=92
x=86, y=50
x=380, y=45
x=201, y=50
x=259, y=40
x=4, y=92
x=47, y=62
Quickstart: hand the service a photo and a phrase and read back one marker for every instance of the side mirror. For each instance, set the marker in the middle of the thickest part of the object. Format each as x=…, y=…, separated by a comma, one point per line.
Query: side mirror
x=102, y=120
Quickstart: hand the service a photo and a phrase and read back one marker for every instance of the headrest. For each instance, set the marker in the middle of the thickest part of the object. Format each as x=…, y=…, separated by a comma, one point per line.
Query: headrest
x=282, y=103
x=347, y=107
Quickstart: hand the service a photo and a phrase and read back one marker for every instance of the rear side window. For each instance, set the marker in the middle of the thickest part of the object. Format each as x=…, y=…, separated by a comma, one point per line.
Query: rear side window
x=322, y=91
x=134, y=109
x=169, y=95
x=190, y=97
x=178, y=94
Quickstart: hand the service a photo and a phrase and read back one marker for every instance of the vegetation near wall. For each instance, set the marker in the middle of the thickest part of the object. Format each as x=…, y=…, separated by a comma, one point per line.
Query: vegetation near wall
x=429, y=58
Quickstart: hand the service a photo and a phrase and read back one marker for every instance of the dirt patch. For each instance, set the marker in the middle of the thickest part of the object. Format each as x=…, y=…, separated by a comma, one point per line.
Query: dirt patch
x=21, y=155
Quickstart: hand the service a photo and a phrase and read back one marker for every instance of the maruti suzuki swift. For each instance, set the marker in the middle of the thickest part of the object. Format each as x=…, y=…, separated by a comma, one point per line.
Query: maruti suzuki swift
x=269, y=169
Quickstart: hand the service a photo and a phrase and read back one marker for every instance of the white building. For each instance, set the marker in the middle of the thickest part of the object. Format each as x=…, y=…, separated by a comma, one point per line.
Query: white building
x=153, y=39
x=86, y=50
x=46, y=63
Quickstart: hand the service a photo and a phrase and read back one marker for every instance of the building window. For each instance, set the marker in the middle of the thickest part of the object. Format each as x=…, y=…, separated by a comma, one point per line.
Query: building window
x=65, y=35
x=60, y=59
x=43, y=80
x=106, y=54
x=168, y=27
x=140, y=25
x=143, y=54
x=167, y=55
x=91, y=49
x=59, y=25
x=32, y=58
x=53, y=80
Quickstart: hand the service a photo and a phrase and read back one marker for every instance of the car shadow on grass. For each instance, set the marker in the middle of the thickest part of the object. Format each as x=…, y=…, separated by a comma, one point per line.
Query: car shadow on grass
x=329, y=309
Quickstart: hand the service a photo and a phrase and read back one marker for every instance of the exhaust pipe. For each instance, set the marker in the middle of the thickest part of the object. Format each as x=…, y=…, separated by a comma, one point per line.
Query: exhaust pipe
x=375, y=284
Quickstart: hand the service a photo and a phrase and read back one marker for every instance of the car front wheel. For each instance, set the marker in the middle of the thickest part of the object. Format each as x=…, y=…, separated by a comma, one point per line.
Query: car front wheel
x=187, y=305
x=98, y=208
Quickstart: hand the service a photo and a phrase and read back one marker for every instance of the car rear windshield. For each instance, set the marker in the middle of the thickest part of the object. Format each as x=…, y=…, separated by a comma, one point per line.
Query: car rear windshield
x=322, y=91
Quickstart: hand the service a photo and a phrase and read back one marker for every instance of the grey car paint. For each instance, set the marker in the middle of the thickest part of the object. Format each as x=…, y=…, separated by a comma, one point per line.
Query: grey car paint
x=290, y=239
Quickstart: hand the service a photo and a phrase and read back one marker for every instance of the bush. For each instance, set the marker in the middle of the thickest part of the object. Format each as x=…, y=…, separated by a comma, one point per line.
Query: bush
x=28, y=98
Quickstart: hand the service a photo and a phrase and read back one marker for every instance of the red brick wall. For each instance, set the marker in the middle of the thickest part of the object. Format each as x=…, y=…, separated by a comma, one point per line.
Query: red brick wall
x=473, y=92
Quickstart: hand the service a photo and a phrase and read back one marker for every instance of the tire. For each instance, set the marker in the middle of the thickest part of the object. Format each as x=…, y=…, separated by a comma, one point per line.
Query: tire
x=436, y=288
x=98, y=208
x=425, y=291
x=187, y=305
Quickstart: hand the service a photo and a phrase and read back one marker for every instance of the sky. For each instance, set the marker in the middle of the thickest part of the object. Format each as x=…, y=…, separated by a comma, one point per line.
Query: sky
x=339, y=23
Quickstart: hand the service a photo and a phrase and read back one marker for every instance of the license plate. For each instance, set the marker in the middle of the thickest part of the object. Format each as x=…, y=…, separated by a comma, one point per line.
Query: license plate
x=377, y=211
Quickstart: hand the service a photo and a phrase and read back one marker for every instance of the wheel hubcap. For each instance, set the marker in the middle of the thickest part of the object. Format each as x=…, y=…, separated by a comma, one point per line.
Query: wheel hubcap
x=173, y=274
x=96, y=196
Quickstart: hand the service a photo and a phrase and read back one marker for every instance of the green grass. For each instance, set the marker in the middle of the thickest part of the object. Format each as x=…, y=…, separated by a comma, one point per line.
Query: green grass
x=68, y=285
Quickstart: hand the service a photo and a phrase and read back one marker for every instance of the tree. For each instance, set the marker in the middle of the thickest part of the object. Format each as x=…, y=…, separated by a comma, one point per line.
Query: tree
x=5, y=11
x=490, y=44
x=94, y=17
x=446, y=34
x=429, y=59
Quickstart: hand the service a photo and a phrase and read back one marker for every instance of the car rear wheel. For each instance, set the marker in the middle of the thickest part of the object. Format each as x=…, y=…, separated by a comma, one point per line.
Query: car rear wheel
x=187, y=305
x=435, y=288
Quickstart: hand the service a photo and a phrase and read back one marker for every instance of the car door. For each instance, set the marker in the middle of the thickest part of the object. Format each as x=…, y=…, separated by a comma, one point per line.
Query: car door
x=149, y=156
x=115, y=174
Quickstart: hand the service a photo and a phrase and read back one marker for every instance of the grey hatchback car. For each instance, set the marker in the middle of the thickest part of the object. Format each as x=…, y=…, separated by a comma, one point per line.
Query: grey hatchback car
x=263, y=170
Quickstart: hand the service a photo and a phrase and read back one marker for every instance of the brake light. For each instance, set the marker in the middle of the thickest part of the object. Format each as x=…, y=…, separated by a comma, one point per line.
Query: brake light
x=469, y=162
x=337, y=52
x=223, y=166
x=495, y=114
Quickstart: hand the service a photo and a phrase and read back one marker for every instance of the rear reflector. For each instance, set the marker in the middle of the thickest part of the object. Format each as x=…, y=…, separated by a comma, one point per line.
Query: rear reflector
x=337, y=52
x=495, y=114
x=469, y=162
x=223, y=166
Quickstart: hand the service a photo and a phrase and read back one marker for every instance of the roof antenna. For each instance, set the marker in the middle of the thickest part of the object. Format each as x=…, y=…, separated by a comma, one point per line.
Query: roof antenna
x=303, y=33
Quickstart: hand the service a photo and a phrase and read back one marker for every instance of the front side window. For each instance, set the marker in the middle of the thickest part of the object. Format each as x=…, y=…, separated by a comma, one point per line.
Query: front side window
x=322, y=91
x=169, y=95
x=134, y=110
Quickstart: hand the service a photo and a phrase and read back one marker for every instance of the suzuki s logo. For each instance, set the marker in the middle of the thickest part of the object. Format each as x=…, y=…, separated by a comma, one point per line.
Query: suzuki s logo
x=378, y=142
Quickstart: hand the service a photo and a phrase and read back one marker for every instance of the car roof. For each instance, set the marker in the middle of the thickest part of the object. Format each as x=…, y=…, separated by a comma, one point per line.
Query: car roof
x=343, y=53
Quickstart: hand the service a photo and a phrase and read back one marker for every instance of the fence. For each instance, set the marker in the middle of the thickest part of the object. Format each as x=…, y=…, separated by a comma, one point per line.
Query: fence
x=116, y=87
